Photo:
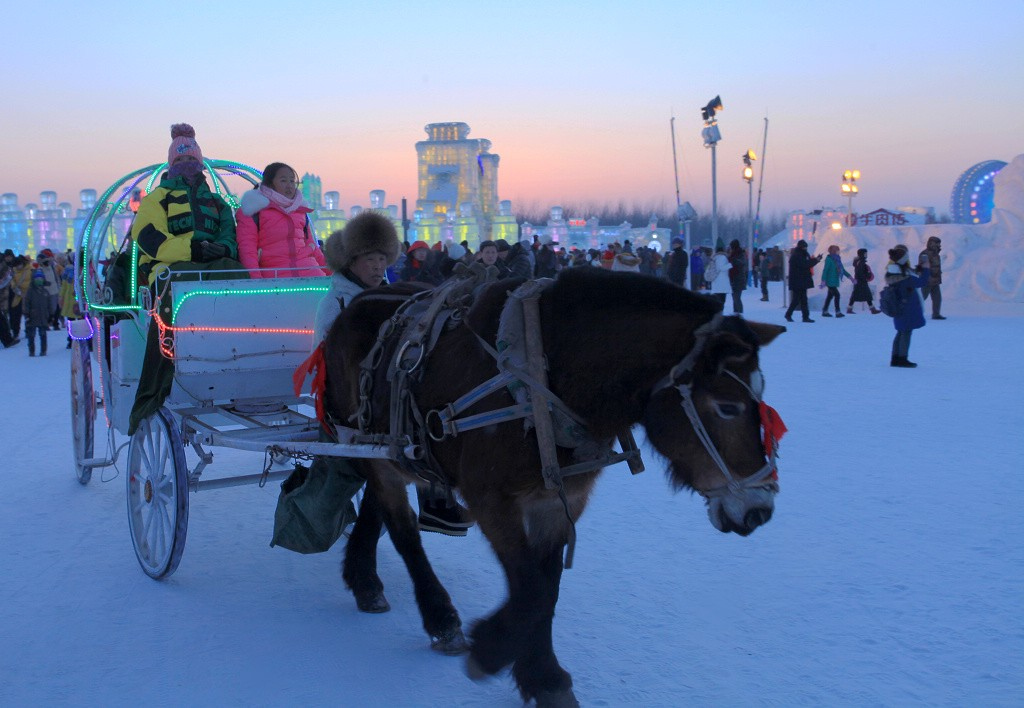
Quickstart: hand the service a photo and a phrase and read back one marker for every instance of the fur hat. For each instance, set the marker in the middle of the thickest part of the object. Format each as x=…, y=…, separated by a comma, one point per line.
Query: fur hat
x=898, y=254
x=368, y=232
x=183, y=143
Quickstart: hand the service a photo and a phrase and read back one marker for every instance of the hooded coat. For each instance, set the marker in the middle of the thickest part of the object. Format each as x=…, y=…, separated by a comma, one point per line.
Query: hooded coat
x=912, y=316
x=281, y=240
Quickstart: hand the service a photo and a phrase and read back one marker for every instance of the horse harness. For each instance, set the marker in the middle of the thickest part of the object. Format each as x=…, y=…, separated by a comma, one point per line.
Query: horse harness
x=412, y=332
x=681, y=378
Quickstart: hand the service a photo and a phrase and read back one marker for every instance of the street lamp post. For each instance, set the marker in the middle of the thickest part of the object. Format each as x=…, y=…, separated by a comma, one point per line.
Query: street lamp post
x=849, y=190
x=748, y=176
x=711, y=137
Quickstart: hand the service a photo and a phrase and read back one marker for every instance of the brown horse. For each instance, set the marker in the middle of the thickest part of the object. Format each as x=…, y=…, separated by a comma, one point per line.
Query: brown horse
x=621, y=349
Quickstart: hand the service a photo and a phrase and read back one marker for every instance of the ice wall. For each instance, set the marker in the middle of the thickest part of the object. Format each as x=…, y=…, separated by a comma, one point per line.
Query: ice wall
x=983, y=262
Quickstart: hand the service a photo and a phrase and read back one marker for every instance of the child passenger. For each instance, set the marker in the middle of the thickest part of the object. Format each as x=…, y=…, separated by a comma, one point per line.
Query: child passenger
x=273, y=228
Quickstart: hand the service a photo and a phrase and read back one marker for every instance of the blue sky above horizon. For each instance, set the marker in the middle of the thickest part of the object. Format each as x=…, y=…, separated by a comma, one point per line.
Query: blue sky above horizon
x=575, y=97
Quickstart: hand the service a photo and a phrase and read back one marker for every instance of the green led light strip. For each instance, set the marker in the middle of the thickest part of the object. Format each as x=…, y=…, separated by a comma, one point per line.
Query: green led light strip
x=261, y=291
x=105, y=206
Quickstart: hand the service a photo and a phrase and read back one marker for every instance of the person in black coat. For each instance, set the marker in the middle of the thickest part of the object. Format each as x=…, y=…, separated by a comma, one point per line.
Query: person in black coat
x=675, y=271
x=801, y=279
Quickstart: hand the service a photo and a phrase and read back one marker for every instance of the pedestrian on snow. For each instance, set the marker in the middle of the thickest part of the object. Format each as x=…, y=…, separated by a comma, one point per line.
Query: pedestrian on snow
x=862, y=276
x=547, y=262
x=273, y=229
x=899, y=275
x=46, y=265
x=626, y=262
x=832, y=275
x=22, y=282
x=37, y=313
x=676, y=263
x=764, y=265
x=517, y=259
x=929, y=259
x=801, y=279
x=487, y=254
x=737, y=274
x=422, y=265
x=721, y=285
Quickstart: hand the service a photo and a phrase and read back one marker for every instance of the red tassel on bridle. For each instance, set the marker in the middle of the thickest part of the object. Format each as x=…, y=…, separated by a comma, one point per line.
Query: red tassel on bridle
x=774, y=429
x=317, y=366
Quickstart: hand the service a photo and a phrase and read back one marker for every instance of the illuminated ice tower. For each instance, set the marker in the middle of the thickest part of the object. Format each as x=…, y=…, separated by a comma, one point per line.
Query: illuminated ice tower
x=456, y=174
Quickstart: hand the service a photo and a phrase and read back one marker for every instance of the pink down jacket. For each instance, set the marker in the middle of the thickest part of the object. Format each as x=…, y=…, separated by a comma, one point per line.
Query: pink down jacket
x=280, y=242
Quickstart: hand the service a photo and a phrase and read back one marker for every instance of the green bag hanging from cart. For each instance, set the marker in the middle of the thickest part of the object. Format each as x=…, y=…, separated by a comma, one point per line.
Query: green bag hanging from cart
x=315, y=505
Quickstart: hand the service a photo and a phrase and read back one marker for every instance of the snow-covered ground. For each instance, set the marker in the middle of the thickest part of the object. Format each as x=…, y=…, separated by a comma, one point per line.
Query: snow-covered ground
x=891, y=574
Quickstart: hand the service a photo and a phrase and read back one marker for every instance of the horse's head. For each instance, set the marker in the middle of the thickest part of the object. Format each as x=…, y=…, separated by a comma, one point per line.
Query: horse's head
x=706, y=416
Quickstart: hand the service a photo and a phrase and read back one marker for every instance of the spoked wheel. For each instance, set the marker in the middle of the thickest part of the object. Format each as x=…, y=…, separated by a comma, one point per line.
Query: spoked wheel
x=157, y=494
x=83, y=408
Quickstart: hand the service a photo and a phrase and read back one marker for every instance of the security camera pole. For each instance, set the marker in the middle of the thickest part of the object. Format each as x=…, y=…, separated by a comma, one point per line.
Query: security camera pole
x=711, y=137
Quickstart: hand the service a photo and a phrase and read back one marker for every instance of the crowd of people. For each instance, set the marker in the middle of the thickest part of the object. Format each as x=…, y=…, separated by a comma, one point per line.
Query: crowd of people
x=184, y=226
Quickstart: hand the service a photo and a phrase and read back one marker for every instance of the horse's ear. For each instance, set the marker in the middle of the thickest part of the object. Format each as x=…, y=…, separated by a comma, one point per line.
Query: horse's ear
x=765, y=333
x=726, y=348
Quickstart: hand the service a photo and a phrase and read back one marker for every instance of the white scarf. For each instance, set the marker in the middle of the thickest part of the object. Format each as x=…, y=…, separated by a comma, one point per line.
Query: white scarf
x=282, y=202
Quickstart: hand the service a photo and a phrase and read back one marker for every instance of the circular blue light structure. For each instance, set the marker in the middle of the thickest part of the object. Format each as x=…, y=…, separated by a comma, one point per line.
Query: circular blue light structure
x=974, y=193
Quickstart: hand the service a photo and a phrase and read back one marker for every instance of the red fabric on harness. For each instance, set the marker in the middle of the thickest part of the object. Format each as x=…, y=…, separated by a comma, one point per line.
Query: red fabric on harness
x=316, y=366
x=774, y=429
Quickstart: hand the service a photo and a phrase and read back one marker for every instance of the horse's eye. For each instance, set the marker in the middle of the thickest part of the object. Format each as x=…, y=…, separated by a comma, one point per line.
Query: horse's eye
x=728, y=411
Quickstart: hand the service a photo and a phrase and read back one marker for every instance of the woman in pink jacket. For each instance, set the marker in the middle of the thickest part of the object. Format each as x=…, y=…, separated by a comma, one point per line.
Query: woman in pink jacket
x=280, y=235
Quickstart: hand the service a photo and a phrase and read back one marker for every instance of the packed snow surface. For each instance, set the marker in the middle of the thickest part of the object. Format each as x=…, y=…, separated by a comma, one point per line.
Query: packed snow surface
x=891, y=574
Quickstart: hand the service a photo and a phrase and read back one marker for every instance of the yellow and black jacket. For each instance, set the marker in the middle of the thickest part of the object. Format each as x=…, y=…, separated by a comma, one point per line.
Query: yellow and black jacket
x=174, y=215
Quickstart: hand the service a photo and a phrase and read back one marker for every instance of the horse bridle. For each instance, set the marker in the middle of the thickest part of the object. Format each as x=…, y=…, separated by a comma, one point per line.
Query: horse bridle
x=681, y=379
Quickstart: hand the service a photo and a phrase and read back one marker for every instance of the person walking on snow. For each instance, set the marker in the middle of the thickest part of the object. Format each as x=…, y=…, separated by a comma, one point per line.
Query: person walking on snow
x=929, y=259
x=899, y=275
x=801, y=279
x=831, y=276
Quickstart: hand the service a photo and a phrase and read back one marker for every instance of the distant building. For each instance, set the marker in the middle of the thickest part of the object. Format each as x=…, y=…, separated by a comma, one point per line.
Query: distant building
x=456, y=175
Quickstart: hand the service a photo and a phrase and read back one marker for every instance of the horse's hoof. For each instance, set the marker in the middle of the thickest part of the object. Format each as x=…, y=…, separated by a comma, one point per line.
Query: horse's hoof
x=452, y=643
x=557, y=699
x=374, y=604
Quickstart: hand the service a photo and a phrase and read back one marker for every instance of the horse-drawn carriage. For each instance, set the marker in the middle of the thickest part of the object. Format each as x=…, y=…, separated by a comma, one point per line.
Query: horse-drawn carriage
x=512, y=396
x=234, y=343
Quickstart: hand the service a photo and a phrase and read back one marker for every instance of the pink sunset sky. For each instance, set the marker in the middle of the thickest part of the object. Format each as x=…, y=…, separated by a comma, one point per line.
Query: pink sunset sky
x=575, y=97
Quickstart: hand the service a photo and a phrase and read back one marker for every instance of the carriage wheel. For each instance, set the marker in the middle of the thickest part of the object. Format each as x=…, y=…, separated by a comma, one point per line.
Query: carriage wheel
x=83, y=409
x=157, y=494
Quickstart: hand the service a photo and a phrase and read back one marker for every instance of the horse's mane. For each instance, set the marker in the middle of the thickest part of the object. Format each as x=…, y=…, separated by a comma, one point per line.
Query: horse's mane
x=578, y=290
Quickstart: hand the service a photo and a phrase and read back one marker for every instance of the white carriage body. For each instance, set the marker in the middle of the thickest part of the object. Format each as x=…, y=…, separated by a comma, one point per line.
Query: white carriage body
x=241, y=340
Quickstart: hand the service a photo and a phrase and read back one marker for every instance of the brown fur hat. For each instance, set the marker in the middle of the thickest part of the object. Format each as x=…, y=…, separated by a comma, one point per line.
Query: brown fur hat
x=366, y=233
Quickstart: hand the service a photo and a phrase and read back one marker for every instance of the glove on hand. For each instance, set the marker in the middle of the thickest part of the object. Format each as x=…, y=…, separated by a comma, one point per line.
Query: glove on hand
x=206, y=251
x=213, y=250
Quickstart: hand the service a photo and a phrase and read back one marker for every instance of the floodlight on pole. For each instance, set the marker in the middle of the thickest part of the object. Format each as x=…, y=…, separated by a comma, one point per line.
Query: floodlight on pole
x=849, y=189
x=748, y=176
x=711, y=136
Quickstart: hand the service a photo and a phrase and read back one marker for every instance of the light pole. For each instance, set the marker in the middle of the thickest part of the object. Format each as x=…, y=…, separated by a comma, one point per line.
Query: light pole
x=849, y=190
x=748, y=176
x=711, y=137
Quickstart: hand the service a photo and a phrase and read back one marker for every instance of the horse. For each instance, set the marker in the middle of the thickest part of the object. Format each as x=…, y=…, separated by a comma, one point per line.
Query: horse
x=621, y=349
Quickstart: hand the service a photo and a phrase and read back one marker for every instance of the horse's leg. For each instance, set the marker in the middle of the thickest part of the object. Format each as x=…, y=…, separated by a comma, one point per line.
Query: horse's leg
x=520, y=631
x=359, y=570
x=440, y=618
x=536, y=670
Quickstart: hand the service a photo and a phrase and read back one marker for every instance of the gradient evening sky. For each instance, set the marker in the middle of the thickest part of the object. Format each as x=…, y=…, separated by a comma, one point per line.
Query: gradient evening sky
x=575, y=97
